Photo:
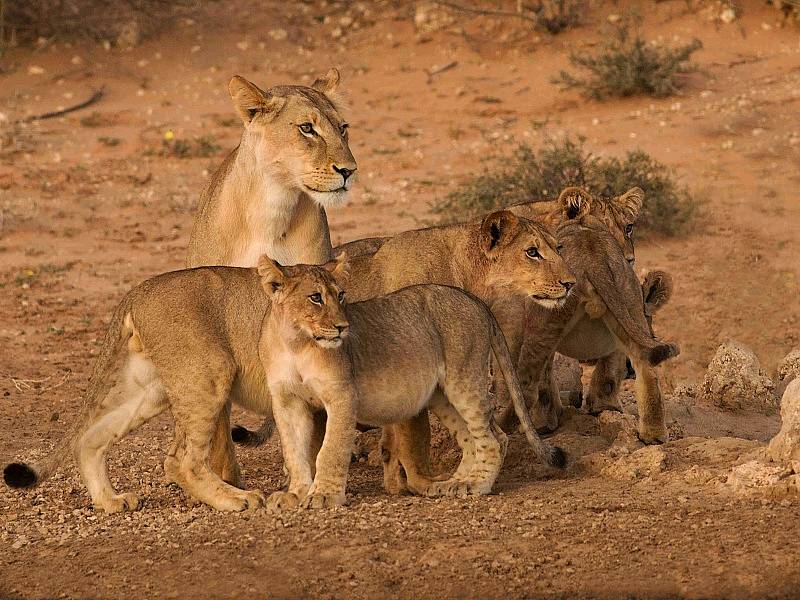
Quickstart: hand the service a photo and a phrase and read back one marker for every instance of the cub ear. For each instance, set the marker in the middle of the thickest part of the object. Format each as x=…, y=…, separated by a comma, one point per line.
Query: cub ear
x=338, y=267
x=250, y=100
x=631, y=202
x=329, y=83
x=575, y=202
x=497, y=229
x=272, y=274
x=657, y=289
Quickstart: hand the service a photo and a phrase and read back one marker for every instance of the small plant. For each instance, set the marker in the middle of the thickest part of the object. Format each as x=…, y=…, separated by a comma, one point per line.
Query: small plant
x=201, y=147
x=529, y=175
x=628, y=66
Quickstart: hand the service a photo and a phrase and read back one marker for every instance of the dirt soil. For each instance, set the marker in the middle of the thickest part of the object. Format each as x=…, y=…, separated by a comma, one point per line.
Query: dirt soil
x=90, y=205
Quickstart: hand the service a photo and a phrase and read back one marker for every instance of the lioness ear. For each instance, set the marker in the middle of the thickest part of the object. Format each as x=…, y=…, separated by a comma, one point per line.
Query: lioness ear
x=339, y=266
x=657, y=289
x=249, y=99
x=272, y=274
x=631, y=202
x=329, y=83
x=575, y=202
x=497, y=229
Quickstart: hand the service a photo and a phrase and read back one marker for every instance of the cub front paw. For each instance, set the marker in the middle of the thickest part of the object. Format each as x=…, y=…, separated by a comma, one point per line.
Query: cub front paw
x=318, y=500
x=280, y=501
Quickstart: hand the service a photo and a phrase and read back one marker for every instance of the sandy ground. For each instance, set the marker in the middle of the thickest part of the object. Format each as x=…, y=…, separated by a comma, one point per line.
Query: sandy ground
x=90, y=207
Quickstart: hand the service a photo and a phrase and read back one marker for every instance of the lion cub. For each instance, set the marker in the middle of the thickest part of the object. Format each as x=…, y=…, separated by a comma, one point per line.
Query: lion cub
x=379, y=362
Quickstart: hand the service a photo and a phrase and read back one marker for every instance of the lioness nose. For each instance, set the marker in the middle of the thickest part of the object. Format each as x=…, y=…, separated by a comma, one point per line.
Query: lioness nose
x=568, y=285
x=344, y=172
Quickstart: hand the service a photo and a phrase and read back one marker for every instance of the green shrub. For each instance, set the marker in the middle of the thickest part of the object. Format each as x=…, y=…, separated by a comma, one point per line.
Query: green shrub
x=528, y=175
x=628, y=66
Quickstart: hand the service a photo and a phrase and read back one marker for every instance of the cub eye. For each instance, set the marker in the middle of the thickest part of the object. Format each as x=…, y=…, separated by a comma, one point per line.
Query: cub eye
x=533, y=253
x=307, y=129
x=629, y=230
x=341, y=296
x=316, y=298
x=559, y=248
x=343, y=128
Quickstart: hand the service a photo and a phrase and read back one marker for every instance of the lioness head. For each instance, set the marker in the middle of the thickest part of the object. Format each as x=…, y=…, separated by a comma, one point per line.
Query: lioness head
x=298, y=133
x=618, y=214
x=306, y=300
x=524, y=257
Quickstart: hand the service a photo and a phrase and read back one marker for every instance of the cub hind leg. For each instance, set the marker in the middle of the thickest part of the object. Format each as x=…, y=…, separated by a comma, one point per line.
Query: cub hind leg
x=475, y=409
x=136, y=399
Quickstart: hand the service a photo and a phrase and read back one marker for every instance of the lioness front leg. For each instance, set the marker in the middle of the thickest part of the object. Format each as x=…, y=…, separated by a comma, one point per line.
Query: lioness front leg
x=609, y=371
x=652, y=420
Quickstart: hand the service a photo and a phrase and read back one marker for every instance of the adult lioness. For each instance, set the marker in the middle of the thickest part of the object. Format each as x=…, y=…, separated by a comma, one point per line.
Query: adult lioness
x=379, y=362
x=269, y=194
x=191, y=342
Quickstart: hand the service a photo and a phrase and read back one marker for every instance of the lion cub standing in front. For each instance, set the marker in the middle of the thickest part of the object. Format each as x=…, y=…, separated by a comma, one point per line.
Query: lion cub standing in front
x=378, y=362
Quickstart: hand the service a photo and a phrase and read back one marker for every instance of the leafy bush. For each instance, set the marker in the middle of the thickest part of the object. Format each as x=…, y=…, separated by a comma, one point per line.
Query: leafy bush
x=123, y=21
x=529, y=175
x=628, y=66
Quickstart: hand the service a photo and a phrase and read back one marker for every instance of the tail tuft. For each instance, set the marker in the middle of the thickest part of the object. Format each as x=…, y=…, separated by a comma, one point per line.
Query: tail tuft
x=19, y=475
x=662, y=352
x=558, y=458
x=245, y=437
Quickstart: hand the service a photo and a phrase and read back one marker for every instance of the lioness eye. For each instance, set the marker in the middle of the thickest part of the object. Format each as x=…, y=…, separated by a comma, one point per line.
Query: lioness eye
x=316, y=298
x=341, y=296
x=343, y=128
x=629, y=230
x=533, y=253
x=307, y=128
x=559, y=248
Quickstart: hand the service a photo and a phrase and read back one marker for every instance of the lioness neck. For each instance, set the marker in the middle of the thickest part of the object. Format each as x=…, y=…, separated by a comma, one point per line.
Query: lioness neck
x=247, y=210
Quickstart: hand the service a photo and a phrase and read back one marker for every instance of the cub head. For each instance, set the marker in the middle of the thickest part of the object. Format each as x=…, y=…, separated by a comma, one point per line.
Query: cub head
x=523, y=257
x=298, y=133
x=618, y=214
x=306, y=301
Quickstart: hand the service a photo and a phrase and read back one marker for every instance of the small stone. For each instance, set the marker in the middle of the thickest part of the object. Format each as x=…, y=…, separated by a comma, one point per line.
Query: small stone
x=278, y=34
x=35, y=70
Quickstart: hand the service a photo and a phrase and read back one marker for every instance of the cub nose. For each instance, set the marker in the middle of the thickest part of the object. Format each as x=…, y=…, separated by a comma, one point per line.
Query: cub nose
x=342, y=328
x=568, y=285
x=344, y=172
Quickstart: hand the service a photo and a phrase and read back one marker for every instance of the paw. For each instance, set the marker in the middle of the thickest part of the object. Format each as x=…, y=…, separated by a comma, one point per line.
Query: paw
x=453, y=488
x=594, y=406
x=280, y=501
x=318, y=500
x=237, y=502
x=120, y=503
x=653, y=434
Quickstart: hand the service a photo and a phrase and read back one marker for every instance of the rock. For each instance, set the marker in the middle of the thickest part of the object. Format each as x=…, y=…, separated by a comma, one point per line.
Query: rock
x=763, y=479
x=431, y=16
x=785, y=446
x=619, y=429
x=787, y=372
x=645, y=462
x=278, y=34
x=734, y=380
